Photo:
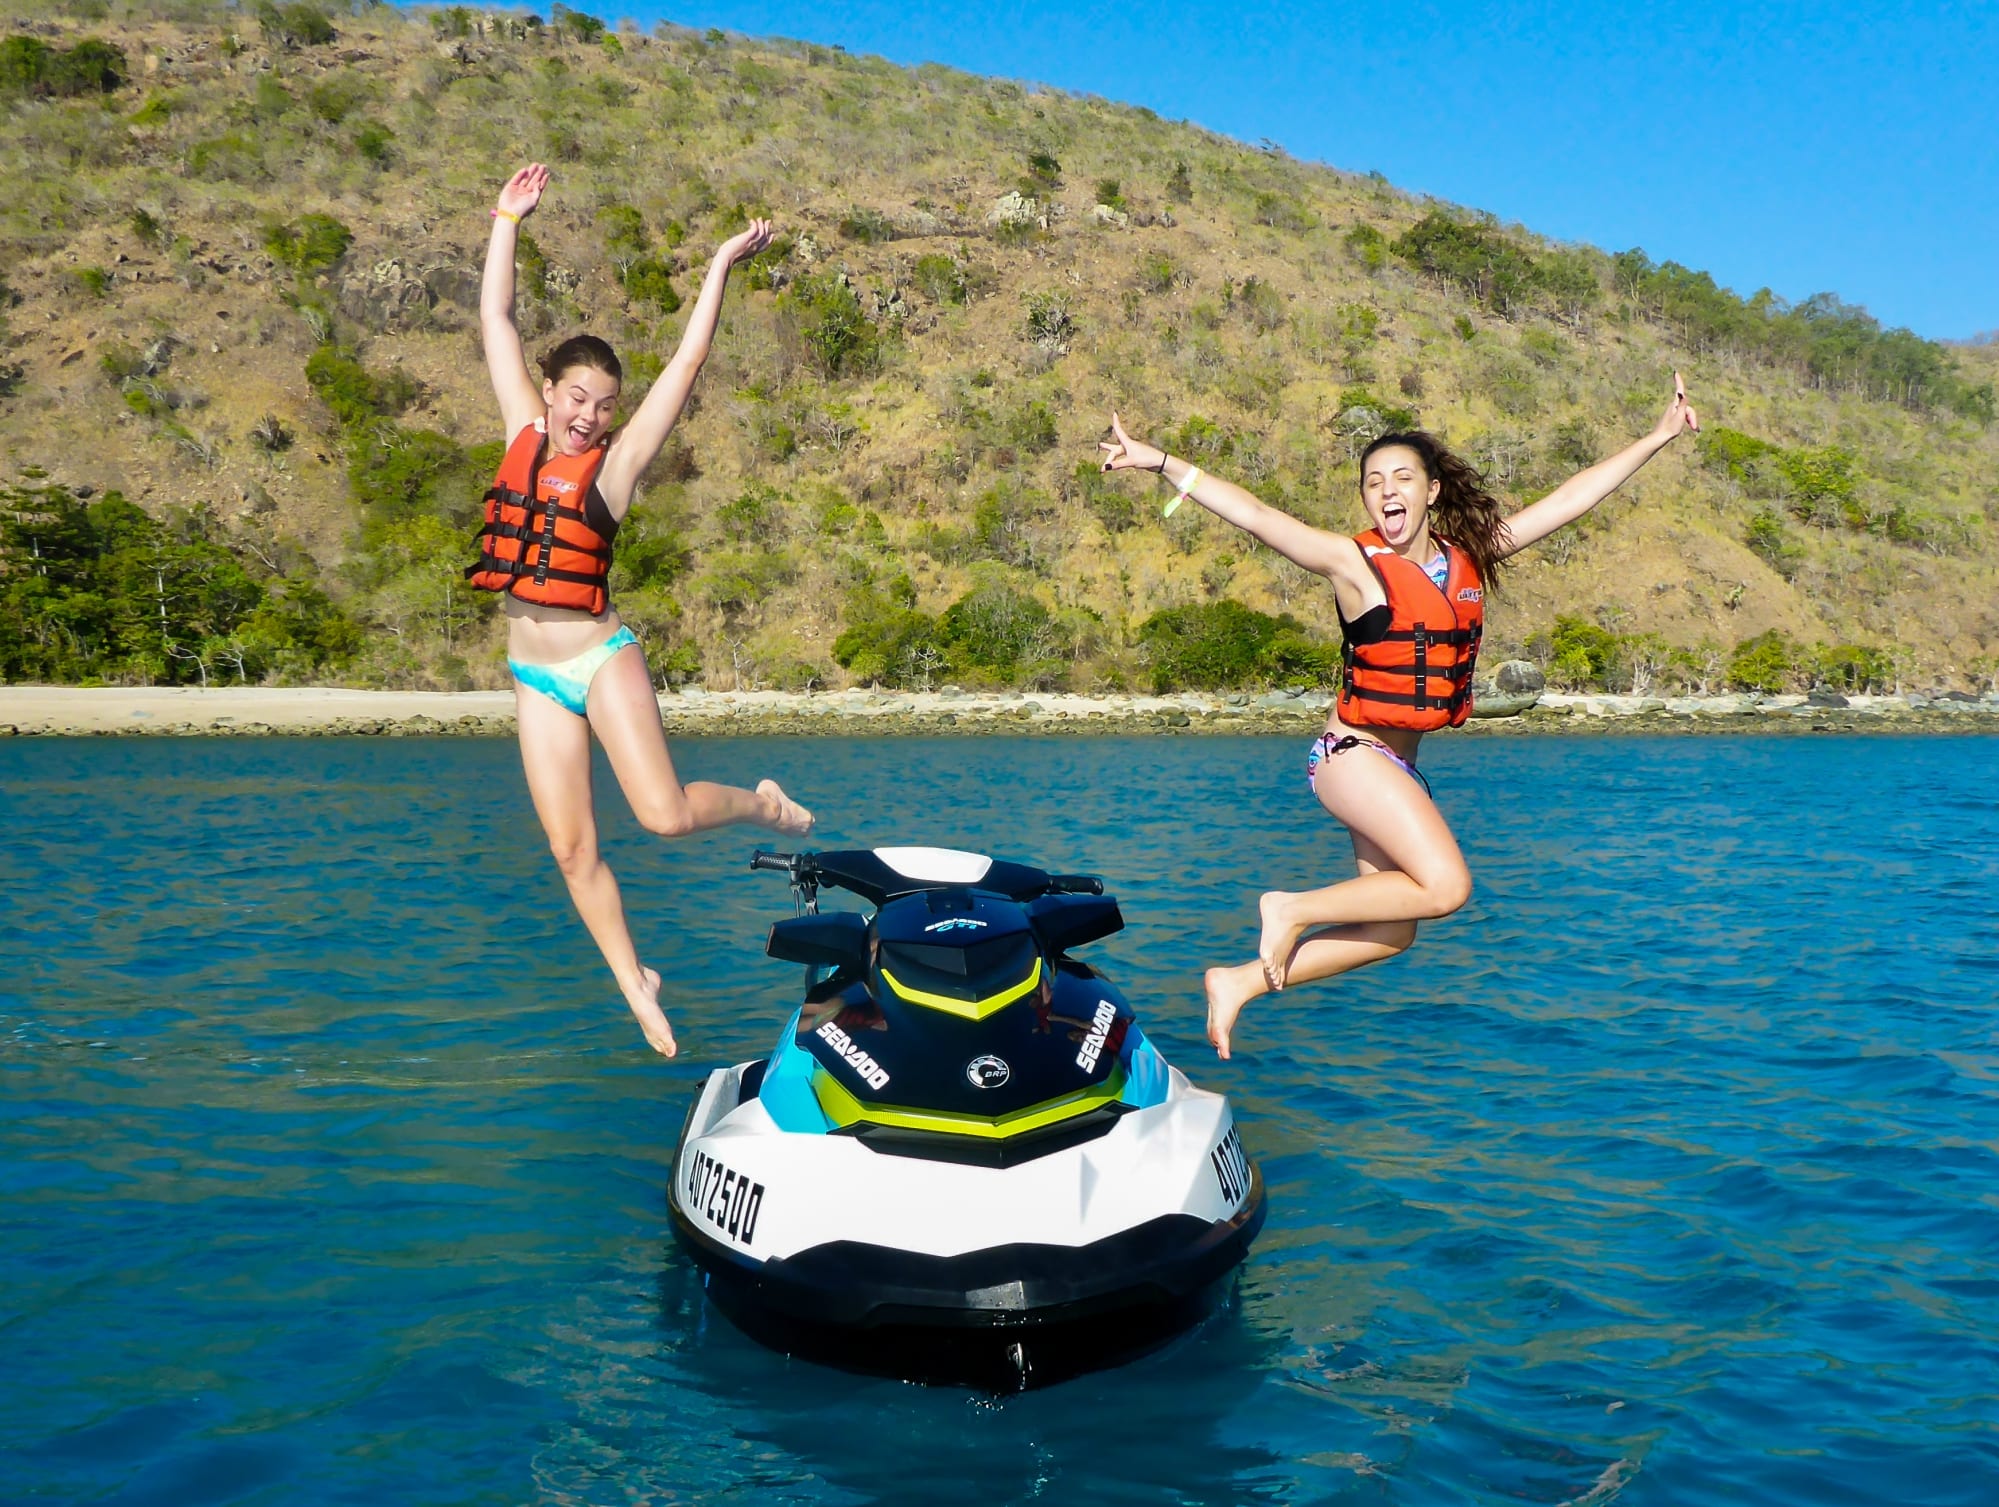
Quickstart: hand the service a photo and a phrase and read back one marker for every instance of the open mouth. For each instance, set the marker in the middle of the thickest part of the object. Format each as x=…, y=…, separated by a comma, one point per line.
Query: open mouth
x=1393, y=516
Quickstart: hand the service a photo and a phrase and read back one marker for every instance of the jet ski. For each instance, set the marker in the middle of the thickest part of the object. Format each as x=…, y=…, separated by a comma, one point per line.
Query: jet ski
x=964, y=1162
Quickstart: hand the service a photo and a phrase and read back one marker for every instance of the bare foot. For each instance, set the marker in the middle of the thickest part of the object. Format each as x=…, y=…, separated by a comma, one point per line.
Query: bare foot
x=1280, y=936
x=791, y=817
x=643, y=997
x=1229, y=989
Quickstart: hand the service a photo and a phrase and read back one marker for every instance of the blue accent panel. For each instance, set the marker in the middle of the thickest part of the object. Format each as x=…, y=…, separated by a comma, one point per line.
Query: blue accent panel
x=1145, y=1078
x=787, y=1087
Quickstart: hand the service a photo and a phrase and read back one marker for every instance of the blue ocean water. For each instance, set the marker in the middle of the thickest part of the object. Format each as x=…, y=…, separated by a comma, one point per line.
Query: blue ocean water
x=331, y=1167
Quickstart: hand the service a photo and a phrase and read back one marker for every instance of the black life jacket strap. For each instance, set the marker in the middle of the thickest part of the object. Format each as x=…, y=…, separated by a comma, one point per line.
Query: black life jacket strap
x=517, y=569
x=1456, y=638
x=1460, y=671
x=534, y=536
x=1448, y=703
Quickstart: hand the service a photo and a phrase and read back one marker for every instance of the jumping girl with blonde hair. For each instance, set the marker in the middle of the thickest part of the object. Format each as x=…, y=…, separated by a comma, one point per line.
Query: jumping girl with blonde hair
x=554, y=509
x=1411, y=602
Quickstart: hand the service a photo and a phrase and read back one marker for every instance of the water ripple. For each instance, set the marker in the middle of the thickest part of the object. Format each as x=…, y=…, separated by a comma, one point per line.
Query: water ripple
x=1662, y=1174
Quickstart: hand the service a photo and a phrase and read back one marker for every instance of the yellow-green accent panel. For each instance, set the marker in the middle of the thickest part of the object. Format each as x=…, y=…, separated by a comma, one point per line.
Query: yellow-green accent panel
x=970, y=1009
x=843, y=1109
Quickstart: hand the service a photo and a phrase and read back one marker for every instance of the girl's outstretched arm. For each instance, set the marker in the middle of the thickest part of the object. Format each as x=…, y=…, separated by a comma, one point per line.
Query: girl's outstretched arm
x=506, y=362
x=1586, y=489
x=1313, y=548
x=646, y=431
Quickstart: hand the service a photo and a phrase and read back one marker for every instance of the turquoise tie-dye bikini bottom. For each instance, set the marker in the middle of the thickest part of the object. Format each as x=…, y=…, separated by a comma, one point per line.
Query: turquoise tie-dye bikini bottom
x=568, y=684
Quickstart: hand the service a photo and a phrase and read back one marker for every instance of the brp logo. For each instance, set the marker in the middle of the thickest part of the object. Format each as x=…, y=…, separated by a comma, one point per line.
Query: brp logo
x=987, y=1072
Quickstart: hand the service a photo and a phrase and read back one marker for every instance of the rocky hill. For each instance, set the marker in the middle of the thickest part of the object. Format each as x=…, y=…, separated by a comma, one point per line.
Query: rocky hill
x=241, y=252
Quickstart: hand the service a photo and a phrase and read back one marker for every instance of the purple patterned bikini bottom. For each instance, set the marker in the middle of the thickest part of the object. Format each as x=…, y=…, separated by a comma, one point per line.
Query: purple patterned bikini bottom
x=1327, y=744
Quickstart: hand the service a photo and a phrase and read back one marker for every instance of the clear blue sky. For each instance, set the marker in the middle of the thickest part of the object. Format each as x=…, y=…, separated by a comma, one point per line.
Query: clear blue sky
x=1807, y=148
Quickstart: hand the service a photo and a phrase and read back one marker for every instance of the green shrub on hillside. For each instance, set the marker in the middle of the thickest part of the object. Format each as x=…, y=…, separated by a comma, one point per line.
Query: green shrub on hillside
x=1212, y=646
x=649, y=281
x=1366, y=245
x=1769, y=663
x=1111, y=505
x=1833, y=343
x=398, y=474
x=1258, y=302
x=1743, y=457
x=103, y=591
x=756, y=516
x=1043, y=176
x=30, y=67
x=232, y=157
x=531, y=265
x=1581, y=654
x=868, y=226
x=1822, y=486
x=311, y=243
x=1856, y=669
x=1471, y=255
x=156, y=111
x=1285, y=212
x=1568, y=278
x=652, y=554
x=576, y=24
x=336, y=97
x=1001, y=632
x=1767, y=538
x=356, y=395
x=269, y=102
x=375, y=142
x=887, y=641
x=300, y=25
x=624, y=231
x=824, y=316
x=1051, y=320
x=939, y=278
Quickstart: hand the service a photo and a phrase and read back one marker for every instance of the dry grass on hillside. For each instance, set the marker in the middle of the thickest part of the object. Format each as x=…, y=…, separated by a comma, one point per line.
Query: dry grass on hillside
x=1224, y=287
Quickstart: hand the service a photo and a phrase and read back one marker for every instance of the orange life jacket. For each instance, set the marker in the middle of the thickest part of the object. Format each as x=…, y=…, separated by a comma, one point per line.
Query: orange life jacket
x=1417, y=675
x=547, y=534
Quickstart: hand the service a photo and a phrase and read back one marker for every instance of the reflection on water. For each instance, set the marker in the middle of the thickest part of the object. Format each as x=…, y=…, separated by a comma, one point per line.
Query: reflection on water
x=332, y=1168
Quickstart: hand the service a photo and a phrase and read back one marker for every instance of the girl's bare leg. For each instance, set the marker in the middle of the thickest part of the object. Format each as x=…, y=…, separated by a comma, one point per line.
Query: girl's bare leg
x=1337, y=949
x=1398, y=835
x=624, y=712
x=555, y=754
x=1420, y=875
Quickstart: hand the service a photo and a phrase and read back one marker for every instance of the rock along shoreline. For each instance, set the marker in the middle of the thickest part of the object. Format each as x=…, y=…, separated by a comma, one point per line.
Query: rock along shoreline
x=258, y=711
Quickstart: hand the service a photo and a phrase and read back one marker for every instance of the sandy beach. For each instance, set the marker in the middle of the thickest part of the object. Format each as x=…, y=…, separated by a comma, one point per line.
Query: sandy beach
x=257, y=711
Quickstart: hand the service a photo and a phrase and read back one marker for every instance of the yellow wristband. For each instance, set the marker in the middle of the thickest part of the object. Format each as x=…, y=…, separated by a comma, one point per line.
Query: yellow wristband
x=1192, y=481
x=501, y=214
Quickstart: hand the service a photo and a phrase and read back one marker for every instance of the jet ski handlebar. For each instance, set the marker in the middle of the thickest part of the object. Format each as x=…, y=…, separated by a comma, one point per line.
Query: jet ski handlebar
x=865, y=874
x=1074, y=884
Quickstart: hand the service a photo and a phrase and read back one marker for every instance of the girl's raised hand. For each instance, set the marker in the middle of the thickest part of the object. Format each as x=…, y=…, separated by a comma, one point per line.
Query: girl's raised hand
x=523, y=191
x=1123, y=453
x=1679, y=416
x=746, y=244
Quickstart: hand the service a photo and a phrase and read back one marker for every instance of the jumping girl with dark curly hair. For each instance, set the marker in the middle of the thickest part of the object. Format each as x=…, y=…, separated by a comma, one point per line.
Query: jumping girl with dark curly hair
x=551, y=516
x=1411, y=600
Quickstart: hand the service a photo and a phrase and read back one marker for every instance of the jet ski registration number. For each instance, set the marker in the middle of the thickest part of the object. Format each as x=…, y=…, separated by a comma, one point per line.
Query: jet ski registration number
x=723, y=1197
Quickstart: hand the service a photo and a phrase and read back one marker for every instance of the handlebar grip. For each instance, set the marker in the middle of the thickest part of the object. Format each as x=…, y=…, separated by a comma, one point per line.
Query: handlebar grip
x=1075, y=884
x=781, y=862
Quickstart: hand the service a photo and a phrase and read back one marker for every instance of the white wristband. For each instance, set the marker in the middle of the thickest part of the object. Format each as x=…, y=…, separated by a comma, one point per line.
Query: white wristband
x=1192, y=480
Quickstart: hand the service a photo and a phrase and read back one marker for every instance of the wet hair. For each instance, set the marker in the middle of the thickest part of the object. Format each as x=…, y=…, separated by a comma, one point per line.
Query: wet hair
x=1465, y=512
x=582, y=350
